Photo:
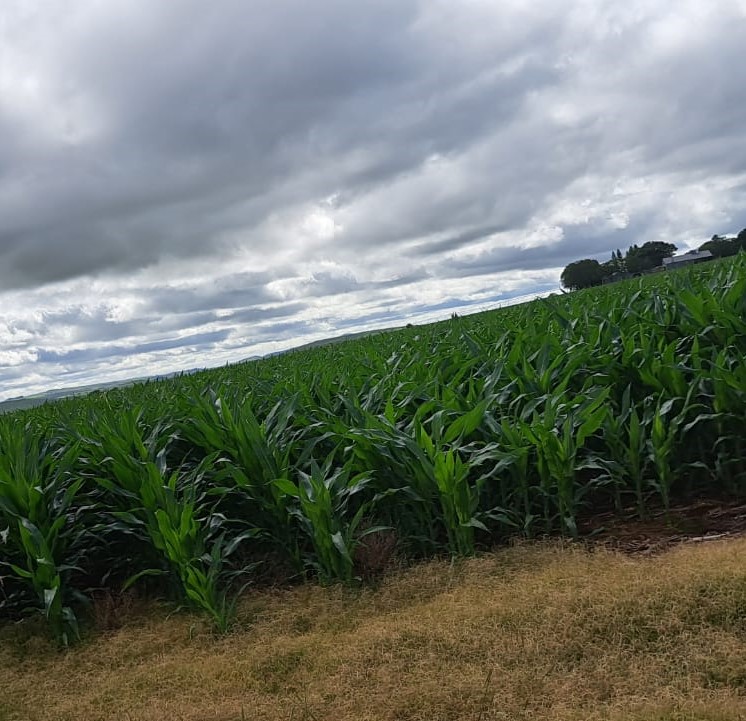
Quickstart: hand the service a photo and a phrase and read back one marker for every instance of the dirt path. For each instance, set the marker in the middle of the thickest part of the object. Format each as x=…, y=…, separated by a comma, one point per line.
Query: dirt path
x=699, y=522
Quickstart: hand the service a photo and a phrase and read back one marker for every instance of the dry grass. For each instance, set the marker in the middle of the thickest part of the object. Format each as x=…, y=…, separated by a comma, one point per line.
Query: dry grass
x=527, y=633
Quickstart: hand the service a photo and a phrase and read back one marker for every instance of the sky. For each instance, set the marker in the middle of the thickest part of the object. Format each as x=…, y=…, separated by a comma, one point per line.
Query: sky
x=185, y=184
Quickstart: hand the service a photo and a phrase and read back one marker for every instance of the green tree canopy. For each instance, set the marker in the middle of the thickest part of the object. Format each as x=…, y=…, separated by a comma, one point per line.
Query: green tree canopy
x=721, y=247
x=582, y=274
x=648, y=256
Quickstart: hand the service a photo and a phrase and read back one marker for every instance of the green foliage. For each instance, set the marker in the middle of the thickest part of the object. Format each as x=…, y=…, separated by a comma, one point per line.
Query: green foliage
x=37, y=492
x=617, y=265
x=165, y=511
x=638, y=259
x=582, y=274
x=324, y=507
x=454, y=436
x=253, y=457
x=722, y=247
x=648, y=256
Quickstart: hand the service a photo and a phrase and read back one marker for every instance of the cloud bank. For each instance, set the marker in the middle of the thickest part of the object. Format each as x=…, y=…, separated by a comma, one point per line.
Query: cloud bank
x=185, y=184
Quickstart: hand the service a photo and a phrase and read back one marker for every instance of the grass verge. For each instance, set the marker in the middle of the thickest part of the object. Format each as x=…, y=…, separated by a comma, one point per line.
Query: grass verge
x=531, y=632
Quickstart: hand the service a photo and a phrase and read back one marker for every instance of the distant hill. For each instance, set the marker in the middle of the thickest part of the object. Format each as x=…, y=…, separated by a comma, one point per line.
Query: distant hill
x=38, y=399
x=329, y=341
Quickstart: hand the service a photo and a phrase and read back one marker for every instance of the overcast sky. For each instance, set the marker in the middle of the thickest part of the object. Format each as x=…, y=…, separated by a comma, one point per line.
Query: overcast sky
x=186, y=183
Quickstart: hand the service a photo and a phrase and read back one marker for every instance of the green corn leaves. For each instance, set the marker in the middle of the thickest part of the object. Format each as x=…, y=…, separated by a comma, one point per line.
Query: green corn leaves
x=454, y=436
x=37, y=491
x=328, y=505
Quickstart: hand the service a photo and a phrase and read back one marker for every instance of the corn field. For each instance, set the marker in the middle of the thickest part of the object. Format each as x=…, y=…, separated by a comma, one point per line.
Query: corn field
x=447, y=438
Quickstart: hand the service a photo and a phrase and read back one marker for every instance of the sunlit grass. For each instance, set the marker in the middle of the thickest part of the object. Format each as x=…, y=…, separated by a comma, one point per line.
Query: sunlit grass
x=532, y=632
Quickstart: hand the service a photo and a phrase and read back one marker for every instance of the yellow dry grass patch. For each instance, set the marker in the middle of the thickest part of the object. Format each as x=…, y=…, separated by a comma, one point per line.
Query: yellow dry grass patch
x=532, y=632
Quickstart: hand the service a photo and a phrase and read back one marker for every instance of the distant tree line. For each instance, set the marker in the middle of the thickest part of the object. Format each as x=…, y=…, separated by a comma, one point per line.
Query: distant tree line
x=587, y=272
x=639, y=259
x=722, y=247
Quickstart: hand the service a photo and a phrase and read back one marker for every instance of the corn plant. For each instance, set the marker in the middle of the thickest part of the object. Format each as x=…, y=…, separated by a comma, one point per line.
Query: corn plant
x=253, y=455
x=329, y=509
x=448, y=472
x=165, y=510
x=625, y=431
x=667, y=430
x=510, y=472
x=456, y=434
x=558, y=436
x=726, y=393
x=37, y=494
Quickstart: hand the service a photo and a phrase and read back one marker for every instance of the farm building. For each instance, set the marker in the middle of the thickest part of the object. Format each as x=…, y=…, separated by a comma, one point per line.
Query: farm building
x=693, y=256
x=616, y=277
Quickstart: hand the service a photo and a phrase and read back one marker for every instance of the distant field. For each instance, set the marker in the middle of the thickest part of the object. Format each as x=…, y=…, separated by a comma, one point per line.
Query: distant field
x=439, y=439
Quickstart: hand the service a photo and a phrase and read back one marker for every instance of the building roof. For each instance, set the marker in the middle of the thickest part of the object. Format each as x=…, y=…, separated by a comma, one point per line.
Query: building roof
x=688, y=257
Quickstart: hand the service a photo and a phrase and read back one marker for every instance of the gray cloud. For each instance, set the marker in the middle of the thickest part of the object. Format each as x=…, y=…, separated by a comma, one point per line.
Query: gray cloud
x=195, y=341
x=194, y=111
x=457, y=241
x=237, y=177
x=253, y=315
x=234, y=290
x=594, y=240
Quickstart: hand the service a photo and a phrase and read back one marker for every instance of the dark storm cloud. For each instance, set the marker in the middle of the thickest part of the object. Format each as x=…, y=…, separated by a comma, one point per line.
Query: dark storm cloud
x=87, y=326
x=205, y=120
x=195, y=109
x=207, y=134
x=327, y=283
x=695, y=112
x=323, y=283
x=188, y=174
x=283, y=331
x=414, y=276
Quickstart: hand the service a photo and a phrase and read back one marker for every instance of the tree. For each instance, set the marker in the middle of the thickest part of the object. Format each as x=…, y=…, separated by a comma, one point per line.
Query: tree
x=582, y=274
x=741, y=240
x=721, y=247
x=616, y=266
x=649, y=256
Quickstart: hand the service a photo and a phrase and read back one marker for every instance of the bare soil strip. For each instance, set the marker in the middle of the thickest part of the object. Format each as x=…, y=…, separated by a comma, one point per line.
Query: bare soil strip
x=692, y=523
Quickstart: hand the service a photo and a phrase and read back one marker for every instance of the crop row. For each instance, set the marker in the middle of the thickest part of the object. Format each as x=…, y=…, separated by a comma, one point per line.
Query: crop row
x=442, y=438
